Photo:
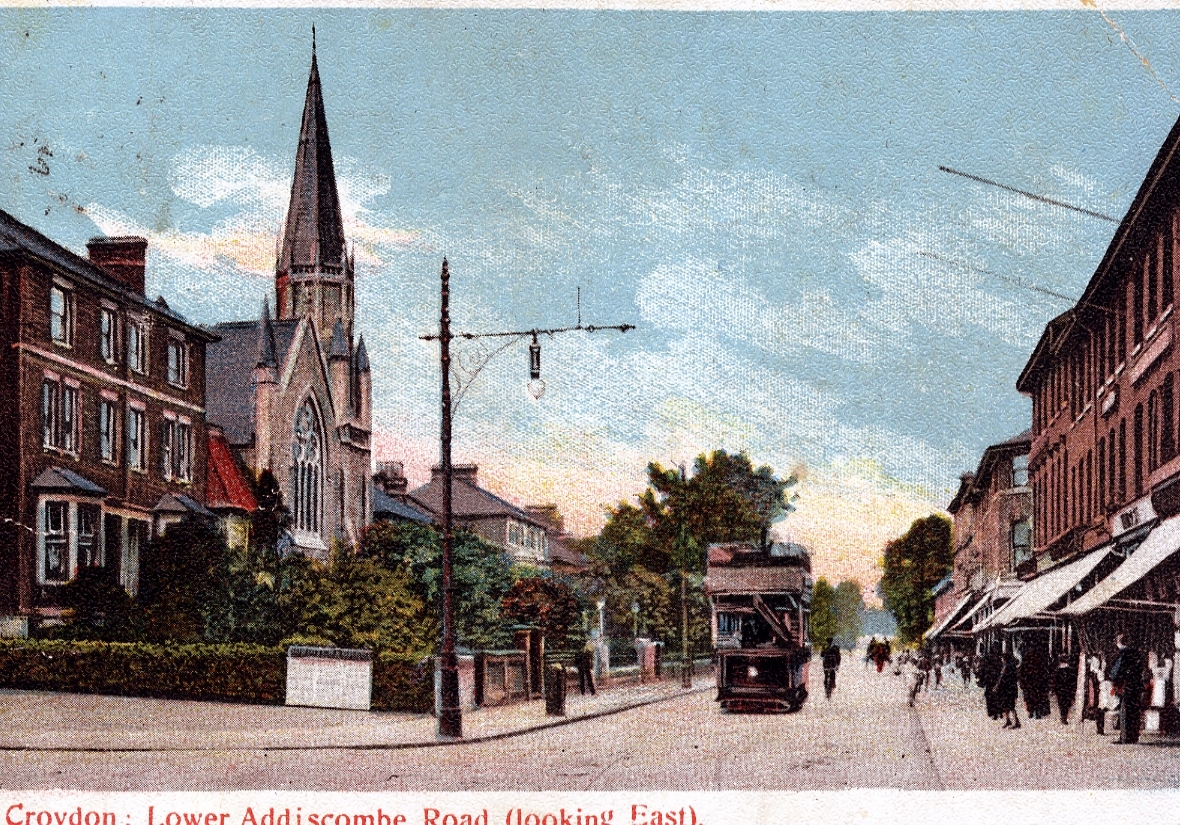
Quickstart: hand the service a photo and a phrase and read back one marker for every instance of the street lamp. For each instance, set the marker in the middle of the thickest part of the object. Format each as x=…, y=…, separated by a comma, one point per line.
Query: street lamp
x=450, y=712
x=635, y=620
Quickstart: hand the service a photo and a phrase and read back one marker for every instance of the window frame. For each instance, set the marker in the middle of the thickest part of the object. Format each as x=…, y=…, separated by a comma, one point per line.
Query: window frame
x=64, y=318
x=57, y=538
x=136, y=438
x=137, y=360
x=108, y=334
x=108, y=430
x=177, y=371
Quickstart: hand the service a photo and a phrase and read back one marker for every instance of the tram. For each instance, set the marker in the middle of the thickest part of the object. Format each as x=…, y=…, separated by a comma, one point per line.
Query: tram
x=761, y=611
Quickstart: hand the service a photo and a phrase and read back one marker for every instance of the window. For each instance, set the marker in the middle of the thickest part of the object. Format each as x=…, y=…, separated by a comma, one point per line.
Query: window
x=59, y=416
x=136, y=347
x=177, y=362
x=136, y=446
x=182, y=449
x=107, y=328
x=108, y=418
x=1021, y=542
x=61, y=315
x=1020, y=471
x=167, y=431
x=89, y=547
x=306, y=471
x=57, y=541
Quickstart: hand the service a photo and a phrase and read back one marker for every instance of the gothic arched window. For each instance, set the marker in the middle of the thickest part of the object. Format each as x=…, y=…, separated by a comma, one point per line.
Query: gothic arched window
x=307, y=470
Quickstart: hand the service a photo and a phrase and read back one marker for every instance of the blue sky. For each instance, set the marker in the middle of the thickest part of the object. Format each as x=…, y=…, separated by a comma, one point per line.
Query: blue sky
x=759, y=193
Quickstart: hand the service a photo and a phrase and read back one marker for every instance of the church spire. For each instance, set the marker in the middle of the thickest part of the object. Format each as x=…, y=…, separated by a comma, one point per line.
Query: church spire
x=313, y=274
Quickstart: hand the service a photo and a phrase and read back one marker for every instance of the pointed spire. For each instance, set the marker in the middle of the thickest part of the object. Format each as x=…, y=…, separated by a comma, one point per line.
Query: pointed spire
x=362, y=357
x=339, y=348
x=266, y=338
x=314, y=233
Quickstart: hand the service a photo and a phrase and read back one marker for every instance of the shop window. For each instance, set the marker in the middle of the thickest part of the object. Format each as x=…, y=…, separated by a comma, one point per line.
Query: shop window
x=56, y=541
x=61, y=315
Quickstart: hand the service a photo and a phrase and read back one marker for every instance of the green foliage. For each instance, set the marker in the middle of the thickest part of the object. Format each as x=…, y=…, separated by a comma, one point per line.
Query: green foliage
x=849, y=604
x=481, y=572
x=913, y=564
x=824, y=621
x=402, y=684
x=101, y=609
x=178, y=572
x=238, y=673
x=546, y=603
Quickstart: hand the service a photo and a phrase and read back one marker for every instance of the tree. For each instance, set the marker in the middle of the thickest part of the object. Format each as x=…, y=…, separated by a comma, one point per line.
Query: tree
x=913, y=564
x=849, y=605
x=546, y=603
x=179, y=575
x=824, y=623
x=481, y=573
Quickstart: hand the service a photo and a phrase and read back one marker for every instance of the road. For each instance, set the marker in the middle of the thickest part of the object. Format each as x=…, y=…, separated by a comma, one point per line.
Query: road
x=866, y=736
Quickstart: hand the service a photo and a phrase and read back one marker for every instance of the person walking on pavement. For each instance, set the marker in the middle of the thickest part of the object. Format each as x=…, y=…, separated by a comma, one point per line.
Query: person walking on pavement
x=1033, y=677
x=1065, y=682
x=1126, y=676
x=1008, y=689
x=831, y=660
x=585, y=665
x=988, y=676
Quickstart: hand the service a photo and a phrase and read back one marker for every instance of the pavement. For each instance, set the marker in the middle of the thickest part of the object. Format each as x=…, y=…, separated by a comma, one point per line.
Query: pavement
x=45, y=721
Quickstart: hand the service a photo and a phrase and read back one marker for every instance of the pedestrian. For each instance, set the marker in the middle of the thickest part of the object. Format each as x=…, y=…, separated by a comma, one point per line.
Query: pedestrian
x=831, y=661
x=585, y=665
x=1007, y=690
x=1033, y=676
x=1127, y=678
x=988, y=676
x=1065, y=683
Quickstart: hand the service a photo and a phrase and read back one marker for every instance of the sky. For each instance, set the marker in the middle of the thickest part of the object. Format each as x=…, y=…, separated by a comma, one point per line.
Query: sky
x=758, y=193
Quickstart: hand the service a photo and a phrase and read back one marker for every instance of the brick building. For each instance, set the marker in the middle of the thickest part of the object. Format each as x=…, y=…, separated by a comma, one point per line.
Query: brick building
x=102, y=415
x=992, y=535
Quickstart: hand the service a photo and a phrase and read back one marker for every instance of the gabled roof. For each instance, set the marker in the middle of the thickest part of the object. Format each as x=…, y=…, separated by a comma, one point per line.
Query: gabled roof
x=314, y=233
x=229, y=374
x=971, y=485
x=181, y=504
x=61, y=480
x=16, y=237
x=225, y=485
x=386, y=506
x=468, y=502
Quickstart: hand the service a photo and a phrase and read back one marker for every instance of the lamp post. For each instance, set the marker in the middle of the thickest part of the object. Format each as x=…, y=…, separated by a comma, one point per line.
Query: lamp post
x=635, y=620
x=450, y=712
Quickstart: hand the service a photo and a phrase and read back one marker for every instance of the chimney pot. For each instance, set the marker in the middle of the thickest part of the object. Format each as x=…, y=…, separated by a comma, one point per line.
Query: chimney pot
x=123, y=259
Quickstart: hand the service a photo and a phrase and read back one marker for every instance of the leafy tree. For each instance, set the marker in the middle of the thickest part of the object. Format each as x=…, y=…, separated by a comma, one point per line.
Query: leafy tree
x=849, y=605
x=178, y=573
x=102, y=609
x=824, y=620
x=271, y=519
x=482, y=575
x=545, y=602
x=913, y=564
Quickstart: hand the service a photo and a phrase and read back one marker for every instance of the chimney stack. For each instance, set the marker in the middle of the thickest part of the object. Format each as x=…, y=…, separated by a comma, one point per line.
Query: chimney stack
x=123, y=259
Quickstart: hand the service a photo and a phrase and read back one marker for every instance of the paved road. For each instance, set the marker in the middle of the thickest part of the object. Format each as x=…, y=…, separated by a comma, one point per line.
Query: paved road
x=865, y=736
x=683, y=744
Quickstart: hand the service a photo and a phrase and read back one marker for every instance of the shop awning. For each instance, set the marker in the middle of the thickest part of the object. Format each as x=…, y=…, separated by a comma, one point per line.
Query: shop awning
x=1160, y=543
x=951, y=618
x=1037, y=594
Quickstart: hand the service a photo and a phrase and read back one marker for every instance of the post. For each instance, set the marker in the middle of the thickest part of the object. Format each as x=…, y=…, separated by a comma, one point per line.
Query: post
x=685, y=664
x=450, y=714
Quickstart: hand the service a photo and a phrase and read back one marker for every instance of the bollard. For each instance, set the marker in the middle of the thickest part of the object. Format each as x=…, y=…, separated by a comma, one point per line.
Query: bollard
x=555, y=691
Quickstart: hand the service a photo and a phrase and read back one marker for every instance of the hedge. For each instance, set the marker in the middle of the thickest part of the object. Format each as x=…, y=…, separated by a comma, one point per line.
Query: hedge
x=232, y=673
x=229, y=673
x=402, y=684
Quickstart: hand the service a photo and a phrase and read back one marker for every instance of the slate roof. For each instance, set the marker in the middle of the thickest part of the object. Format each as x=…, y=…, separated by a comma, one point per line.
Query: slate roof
x=229, y=374
x=386, y=506
x=468, y=501
x=225, y=486
x=314, y=234
x=62, y=480
x=17, y=237
x=180, y=503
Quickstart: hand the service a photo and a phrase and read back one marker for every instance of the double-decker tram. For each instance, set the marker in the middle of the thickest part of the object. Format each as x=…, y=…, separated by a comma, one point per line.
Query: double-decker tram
x=761, y=610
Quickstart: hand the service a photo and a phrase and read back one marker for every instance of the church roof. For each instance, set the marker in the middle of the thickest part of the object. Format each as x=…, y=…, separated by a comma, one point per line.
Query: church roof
x=229, y=373
x=225, y=485
x=314, y=234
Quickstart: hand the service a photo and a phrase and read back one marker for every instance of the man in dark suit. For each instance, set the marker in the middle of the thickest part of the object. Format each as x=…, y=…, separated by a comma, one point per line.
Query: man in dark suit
x=1126, y=676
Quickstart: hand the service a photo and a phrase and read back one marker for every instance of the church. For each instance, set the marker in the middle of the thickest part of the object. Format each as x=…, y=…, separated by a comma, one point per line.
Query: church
x=291, y=390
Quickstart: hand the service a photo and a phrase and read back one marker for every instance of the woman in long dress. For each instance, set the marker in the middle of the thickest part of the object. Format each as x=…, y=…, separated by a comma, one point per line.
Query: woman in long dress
x=1007, y=691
